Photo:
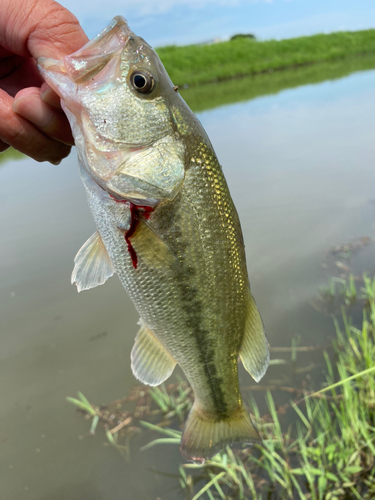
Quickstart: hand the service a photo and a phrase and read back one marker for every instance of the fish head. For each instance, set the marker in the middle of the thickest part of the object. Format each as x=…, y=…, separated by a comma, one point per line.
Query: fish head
x=122, y=108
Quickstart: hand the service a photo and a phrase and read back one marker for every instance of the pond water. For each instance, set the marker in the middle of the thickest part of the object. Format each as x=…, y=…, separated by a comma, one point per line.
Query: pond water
x=300, y=166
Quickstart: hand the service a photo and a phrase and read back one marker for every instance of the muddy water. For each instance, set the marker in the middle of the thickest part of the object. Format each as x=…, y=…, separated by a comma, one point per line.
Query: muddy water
x=300, y=166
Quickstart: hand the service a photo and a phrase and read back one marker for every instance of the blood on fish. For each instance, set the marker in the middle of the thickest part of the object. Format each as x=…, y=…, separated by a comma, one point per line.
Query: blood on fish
x=135, y=212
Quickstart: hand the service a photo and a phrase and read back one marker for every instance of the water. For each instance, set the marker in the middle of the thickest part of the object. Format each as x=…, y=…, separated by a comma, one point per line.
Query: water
x=300, y=166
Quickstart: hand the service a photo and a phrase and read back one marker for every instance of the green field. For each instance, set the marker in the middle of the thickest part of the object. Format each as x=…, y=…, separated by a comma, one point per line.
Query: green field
x=195, y=64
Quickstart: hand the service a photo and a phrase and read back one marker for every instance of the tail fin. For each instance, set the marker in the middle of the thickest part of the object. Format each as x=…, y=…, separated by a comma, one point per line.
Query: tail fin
x=203, y=437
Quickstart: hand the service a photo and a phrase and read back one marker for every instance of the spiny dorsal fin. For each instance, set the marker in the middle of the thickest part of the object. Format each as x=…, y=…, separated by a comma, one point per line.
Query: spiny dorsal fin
x=92, y=264
x=150, y=361
x=254, y=352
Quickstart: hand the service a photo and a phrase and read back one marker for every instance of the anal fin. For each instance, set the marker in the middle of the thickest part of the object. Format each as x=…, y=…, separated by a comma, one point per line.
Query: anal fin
x=92, y=264
x=151, y=362
x=254, y=352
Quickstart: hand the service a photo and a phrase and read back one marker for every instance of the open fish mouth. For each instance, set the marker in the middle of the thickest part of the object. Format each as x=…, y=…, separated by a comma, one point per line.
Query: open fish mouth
x=96, y=58
x=92, y=57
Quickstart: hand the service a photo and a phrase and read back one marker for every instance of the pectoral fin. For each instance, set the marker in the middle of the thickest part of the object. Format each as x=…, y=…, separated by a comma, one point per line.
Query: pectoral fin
x=150, y=247
x=150, y=361
x=92, y=264
x=254, y=352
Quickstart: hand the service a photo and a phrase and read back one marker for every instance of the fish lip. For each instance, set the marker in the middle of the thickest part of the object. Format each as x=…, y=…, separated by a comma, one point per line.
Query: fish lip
x=98, y=51
x=68, y=72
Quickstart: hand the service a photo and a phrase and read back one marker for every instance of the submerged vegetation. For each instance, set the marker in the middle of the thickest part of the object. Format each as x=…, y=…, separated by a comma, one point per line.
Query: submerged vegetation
x=319, y=446
x=196, y=64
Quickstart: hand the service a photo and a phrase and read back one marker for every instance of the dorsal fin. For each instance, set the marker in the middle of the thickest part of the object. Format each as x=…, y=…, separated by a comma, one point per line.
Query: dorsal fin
x=151, y=362
x=92, y=264
x=254, y=352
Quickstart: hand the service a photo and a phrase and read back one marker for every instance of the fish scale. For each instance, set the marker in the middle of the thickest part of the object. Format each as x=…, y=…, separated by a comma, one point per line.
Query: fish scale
x=167, y=226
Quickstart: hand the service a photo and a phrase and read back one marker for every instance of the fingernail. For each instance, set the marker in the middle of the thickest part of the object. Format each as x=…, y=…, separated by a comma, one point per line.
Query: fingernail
x=49, y=96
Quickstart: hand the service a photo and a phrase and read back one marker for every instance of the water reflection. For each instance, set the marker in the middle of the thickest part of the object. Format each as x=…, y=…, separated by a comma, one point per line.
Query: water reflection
x=243, y=89
x=300, y=168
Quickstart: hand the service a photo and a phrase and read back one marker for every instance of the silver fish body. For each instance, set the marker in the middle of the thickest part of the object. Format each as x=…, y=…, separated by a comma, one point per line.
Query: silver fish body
x=167, y=226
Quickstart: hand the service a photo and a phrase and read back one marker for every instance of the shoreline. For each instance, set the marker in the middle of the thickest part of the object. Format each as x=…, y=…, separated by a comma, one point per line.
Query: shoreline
x=194, y=65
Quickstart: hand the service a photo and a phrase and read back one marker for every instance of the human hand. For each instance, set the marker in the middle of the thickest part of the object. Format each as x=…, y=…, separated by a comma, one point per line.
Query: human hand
x=31, y=119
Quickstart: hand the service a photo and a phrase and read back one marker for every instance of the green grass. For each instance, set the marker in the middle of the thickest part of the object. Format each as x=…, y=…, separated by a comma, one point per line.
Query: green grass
x=11, y=154
x=324, y=449
x=196, y=64
x=342, y=287
x=327, y=454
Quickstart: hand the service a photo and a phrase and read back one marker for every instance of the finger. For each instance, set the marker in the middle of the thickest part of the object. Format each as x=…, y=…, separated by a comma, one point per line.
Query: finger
x=5, y=53
x=25, y=137
x=46, y=118
x=17, y=72
x=49, y=96
x=40, y=28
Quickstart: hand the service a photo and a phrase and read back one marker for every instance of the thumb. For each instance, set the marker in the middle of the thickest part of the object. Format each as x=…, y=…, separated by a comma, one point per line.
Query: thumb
x=40, y=28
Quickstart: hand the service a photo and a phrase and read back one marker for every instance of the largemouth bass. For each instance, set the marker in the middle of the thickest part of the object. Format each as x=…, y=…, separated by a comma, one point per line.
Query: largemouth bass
x=167, y=226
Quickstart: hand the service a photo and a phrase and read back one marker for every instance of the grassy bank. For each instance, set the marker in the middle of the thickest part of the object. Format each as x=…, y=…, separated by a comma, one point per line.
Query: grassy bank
x=195, y=64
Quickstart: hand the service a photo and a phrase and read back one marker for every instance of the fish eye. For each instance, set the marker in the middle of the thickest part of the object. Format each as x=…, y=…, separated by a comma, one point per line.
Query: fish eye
x=142, y=82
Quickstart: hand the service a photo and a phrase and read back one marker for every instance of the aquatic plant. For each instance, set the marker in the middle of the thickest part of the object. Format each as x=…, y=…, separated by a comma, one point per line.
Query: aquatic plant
x=329, y=453
x=326, y=453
